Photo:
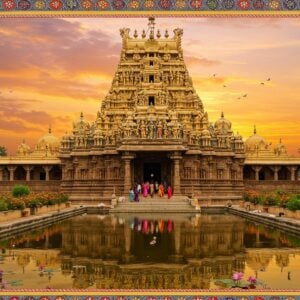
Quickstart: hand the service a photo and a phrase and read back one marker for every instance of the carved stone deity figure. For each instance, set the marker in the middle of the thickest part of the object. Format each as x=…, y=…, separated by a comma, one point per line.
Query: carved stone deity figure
x=143, y=133
x=159, y=129
x=151, y=130
x=165, y=131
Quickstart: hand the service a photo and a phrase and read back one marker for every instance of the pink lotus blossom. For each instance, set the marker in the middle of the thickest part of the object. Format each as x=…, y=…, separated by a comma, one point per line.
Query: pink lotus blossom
x=252, y=280
x=237, y=276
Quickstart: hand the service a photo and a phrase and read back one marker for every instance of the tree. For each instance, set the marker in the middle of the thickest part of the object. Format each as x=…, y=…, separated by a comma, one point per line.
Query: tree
x=3, y=151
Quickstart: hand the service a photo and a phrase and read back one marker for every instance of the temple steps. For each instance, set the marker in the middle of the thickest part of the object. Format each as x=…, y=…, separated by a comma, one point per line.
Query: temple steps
x=178, y=204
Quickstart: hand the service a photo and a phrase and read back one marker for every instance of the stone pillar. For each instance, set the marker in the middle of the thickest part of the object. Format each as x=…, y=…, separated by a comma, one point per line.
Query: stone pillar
x=28, y=169
x=256, y=169
x=276, y=169
x=47, y=170
x=127, y=157
x=176, y=157
x=292, y=170
x=1, y=174
x=11, y=172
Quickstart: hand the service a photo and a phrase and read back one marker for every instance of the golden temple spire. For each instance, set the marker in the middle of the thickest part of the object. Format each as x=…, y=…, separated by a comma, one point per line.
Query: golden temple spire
x=254, y=131
x=151, y=25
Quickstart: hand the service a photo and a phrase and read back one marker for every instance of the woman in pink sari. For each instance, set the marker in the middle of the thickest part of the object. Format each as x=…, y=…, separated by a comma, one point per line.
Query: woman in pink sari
x=145, y=190
x=170, y=192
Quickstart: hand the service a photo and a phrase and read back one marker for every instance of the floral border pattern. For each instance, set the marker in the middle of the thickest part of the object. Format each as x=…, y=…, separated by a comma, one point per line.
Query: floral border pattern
x=149, y=5
x=151, y=295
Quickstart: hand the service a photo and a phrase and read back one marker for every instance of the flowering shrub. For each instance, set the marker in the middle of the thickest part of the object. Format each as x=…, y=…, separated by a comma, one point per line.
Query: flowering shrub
x=34, y=199
x=274, y=198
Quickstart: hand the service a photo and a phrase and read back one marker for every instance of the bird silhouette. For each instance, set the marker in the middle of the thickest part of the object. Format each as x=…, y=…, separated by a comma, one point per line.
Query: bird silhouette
x=214, y=75
x=239, y=98
x=269, y=79
x=262, y=83
x=245, y=95
x=224, y=86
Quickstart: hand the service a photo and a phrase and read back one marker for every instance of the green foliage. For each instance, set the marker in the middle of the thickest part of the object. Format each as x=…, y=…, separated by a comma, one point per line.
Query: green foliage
x=3, y=205
x=270, y=199
x=3, y=151
x=34, y=203
x=20, y=190
x=252, y=196
x=294, y=203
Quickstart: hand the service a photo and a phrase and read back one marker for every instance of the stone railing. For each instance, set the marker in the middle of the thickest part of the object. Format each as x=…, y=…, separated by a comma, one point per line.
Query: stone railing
x=273, y=210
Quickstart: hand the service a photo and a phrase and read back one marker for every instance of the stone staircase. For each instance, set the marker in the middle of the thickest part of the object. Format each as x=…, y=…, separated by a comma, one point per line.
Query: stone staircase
x=178, y=204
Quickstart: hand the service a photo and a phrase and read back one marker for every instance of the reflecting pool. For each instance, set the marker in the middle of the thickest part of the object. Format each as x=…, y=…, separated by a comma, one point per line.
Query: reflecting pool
x=150, y=251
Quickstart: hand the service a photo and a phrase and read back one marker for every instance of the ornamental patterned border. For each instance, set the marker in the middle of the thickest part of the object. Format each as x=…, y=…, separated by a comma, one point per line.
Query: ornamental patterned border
x=150, y=6
x=68, y=294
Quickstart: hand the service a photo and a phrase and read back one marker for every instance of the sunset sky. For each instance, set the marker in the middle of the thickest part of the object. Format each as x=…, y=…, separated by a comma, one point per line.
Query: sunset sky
x=52, y=69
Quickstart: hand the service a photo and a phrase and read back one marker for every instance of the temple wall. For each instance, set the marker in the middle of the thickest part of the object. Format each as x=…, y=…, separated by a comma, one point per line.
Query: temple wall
x=271, y=185
x=34, y=185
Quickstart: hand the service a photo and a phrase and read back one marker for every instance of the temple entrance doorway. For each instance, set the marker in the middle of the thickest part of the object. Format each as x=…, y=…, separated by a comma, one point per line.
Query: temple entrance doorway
x=152, y=166
x=152, y=172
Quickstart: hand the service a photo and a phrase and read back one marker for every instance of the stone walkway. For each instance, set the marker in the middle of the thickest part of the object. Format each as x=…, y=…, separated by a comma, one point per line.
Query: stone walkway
x=11, y=227
x=289, y=224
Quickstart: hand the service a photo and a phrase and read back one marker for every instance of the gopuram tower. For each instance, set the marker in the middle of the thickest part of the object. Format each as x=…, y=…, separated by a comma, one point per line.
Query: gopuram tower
x=152, y=127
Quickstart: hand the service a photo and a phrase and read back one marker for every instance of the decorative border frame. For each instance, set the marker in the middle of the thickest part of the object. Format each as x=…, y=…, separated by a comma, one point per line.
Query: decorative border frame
x=146, y=8
x=149, y=6
x=230, y=294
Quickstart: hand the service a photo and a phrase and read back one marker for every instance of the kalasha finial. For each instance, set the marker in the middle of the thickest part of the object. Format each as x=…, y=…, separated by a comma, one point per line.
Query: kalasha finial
x=143, y=34
x=49, y=130
x=166, y=34
x=222, y=115
x=81, y=115
x=254, y=131
x=151, y=25
x=158, y=34
x=135, y=34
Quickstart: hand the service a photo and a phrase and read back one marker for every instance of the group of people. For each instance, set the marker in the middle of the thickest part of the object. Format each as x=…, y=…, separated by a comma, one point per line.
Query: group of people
x=150, y=188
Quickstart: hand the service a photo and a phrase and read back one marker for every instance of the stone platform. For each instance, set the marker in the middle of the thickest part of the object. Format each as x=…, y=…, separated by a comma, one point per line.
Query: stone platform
x=178, y=204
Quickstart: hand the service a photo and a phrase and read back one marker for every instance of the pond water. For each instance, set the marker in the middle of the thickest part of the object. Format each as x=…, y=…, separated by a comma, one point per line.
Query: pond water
x=150, y=252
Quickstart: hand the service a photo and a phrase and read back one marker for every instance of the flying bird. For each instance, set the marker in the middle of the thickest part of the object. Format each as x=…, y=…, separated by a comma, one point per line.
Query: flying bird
x=214, y=75
x=262, y=83
x=269, y=79
x=245, y=95
x=224, y=86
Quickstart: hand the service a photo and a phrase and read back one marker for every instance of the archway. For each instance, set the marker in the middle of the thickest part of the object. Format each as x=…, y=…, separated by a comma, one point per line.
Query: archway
x=284, y=173
x=55, y=173
x=19, y=173
x=248, y=173
x=266, y=173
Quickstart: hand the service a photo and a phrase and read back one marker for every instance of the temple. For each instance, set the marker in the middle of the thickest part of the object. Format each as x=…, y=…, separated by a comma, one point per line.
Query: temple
x=151, y=126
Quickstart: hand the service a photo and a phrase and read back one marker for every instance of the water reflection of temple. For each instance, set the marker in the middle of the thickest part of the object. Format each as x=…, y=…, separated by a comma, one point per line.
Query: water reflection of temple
x=113, y=253
x=191, y=251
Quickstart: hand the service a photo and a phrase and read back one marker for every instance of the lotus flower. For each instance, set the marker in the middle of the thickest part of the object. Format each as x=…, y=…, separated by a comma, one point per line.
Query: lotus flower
x=237, y=276
x=252, y=280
